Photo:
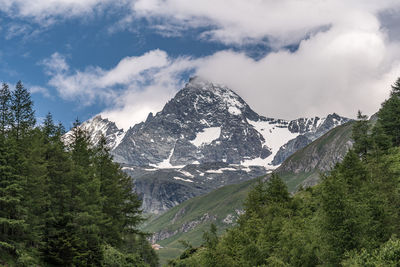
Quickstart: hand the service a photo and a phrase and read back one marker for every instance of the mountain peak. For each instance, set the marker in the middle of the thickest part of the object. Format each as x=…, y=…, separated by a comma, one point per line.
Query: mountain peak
x=199, y=83
x=208, y=122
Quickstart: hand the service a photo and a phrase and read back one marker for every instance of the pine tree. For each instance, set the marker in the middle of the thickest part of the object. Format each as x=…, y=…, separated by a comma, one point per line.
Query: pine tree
x=12, y=212
x=23, y=114
x=5, y=109
x=58, y=236
x=36, y=187
x=85, y=200
x=388, y=115
x=396, y=88
x=360, y=135
x=120, y=206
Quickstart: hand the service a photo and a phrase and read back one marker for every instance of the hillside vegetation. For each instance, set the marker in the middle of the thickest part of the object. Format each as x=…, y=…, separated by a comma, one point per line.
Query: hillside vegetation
x=350, y=219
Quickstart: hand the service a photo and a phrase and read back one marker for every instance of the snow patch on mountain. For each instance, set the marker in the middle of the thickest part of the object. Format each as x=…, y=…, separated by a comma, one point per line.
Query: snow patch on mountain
x=258, y=162
x=207, y=136
x=275, y=135
x=234, y=111
x=166, y=163
x=185, y=180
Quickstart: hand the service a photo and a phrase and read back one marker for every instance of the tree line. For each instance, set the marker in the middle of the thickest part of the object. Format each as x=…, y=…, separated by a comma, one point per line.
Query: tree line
x=62, y=203
x=352, y=218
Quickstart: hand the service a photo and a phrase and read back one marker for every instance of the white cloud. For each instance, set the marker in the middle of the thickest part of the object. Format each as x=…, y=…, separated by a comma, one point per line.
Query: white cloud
x=132, y=89
x=149, y=93
x=229, y=21
x=35, y=89
x=238, y=21
x=55, y=64
x=341, y=70
x=47, y=11
x=14, y=30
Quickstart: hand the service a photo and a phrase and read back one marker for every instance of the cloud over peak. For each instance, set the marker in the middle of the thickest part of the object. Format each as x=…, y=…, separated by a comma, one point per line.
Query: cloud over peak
x=138, y=84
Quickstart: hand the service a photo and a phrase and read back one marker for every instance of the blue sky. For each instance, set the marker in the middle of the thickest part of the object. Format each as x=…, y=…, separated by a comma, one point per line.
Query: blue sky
x=125, y=58
x=83, y=43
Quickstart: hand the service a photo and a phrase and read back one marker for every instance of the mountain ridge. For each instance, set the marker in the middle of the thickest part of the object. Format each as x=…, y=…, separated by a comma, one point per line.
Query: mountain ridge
x=207, y=122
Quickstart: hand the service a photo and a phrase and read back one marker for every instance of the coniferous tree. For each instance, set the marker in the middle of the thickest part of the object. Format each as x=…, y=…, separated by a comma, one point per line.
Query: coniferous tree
x=387, y=116
x=120, y=206
x=13, y=224
x=5, y=109
x=58, y=237
x=23, y=114
x=85, y=200
x=360, y=135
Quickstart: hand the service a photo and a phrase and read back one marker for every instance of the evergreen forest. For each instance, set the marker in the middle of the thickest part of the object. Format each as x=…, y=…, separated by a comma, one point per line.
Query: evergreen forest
x=62, y=203
x=352, y=218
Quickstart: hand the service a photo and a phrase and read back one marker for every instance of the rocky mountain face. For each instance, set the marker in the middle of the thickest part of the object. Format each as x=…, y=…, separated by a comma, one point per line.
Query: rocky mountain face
x=204, y=123
x=163, y=188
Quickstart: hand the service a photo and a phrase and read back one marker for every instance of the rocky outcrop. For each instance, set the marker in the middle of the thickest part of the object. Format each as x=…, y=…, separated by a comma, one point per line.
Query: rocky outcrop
x=162, y=189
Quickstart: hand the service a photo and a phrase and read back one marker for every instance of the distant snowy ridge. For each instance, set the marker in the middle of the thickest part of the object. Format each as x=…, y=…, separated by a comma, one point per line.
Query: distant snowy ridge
x=97, y=127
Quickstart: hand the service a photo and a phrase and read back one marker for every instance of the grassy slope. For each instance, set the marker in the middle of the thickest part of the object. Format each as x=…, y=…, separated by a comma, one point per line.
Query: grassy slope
x=225, y=200
x=219, y=203
x=296, y=171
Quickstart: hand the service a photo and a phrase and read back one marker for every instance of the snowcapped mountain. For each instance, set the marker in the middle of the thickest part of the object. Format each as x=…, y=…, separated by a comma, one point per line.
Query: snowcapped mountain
x=204, y=123
x=207, y=122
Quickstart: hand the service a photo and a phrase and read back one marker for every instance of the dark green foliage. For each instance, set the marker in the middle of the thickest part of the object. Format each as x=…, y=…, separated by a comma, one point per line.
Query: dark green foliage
x=350, y=219
x=63, y=206
x=360, y=135
x=388, y=115
x=12, y=211
x=22, y=110
x=387, y=255
x=120, y=207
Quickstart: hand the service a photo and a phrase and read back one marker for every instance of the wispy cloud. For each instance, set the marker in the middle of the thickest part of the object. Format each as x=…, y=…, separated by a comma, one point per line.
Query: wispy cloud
x=39, y=90
x=234, y=22
x=48, y=11
x=238, y=21
x=132, y=89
